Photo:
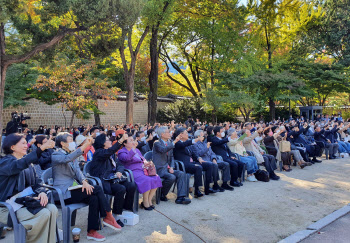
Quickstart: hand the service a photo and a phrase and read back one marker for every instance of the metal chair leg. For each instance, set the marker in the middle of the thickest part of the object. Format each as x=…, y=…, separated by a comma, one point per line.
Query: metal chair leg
x=136, y=201
x=158, y=194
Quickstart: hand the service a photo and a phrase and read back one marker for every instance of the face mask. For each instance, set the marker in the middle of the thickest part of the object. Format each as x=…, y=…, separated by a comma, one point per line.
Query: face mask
x=153, y=134
x=113, y=134
x=223, y=134
x=143, y=139
x=106, y=130
x=98, y=134
x=270, y=134
x=72, y=146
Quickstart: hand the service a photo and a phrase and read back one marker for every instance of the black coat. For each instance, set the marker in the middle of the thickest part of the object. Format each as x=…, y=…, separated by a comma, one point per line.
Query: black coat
x=45, y=159
x=10, y=169
x=101, y=164
x=219, y=147
x=183, y=151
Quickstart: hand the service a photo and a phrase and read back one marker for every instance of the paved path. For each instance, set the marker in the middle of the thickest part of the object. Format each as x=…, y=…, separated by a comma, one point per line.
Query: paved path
x=338, y=232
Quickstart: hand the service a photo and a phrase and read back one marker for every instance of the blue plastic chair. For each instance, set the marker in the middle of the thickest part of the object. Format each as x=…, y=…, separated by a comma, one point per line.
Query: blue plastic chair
x=149, y=155
x=68, y=211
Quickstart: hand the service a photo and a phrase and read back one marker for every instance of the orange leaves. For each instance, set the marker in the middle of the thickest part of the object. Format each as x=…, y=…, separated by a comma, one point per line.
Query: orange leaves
x=74, y=85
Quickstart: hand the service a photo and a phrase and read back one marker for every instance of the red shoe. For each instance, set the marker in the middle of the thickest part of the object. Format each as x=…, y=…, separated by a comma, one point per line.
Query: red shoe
x=111, y=223
x=94, y=235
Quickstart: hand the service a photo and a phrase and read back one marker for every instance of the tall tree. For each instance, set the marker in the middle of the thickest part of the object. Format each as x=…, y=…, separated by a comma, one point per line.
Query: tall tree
x=43, y=24
x=275, y=24
x=204, y=38
x=159, y=12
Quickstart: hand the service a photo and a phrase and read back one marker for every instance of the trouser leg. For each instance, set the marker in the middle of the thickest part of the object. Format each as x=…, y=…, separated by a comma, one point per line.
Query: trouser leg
x=118, y=191
x=233, y=169
x=208, y=168
x=196, y=170
x=168, y=181
x=182, y=183
x=225, y=168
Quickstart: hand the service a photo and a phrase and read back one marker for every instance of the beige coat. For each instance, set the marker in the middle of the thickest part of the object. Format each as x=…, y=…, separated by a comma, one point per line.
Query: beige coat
x=250, y=145
x=236, y=146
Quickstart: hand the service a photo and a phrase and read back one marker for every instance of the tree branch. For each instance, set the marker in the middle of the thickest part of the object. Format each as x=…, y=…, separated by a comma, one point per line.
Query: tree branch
x=8, y=60
x=144, y=34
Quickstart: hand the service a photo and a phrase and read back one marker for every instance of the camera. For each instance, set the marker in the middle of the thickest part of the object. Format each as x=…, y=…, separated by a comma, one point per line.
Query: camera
x=16, y=125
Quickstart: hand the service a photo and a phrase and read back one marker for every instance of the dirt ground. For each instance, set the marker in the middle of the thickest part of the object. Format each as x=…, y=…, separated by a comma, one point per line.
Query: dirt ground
x=256, y=212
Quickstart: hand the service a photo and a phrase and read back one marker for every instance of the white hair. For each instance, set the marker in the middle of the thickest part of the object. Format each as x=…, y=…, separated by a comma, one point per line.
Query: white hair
x=161, y=130
x=198, y=133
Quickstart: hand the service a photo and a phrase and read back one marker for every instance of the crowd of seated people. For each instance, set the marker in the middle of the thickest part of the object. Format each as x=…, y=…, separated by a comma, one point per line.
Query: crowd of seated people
x=218, y=156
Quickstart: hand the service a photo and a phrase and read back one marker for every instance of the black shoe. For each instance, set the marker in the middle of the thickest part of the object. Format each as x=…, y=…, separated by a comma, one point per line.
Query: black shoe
x=287, y=170
x=227, y=187
x=120, y=223
x=218, y=188
x=316, y=160
x=241, y=183
x=236, y=184
x=210, y=190
x=145, y=208
x=274, y=177
x=198, y=194
x=182, y=200
x=163, y=198
x=332, y=157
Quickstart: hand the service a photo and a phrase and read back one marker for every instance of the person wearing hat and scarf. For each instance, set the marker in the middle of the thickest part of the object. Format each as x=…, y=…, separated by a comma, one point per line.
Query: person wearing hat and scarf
x=104, y=166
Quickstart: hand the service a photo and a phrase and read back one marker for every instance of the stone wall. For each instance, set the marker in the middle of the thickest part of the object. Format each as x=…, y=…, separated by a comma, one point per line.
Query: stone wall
x=50, y=115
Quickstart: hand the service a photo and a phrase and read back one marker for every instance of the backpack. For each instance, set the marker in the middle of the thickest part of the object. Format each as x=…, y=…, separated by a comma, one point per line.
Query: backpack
x=262, y=175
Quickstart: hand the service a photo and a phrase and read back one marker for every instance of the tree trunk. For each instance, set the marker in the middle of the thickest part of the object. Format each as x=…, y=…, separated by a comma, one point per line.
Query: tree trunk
x=213, y=116
x=97, y=119
x=71, y=120
x=129, y=81
x=272, y=106
x=153, y=77
x=97, y=116
x=64, y=115
x=3, y=70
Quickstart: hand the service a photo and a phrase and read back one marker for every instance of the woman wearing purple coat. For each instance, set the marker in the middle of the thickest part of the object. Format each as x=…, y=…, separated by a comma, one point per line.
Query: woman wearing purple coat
x=132, y=159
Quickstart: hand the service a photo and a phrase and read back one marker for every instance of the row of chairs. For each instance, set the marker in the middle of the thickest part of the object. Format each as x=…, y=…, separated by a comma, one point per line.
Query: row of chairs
x=68, y=211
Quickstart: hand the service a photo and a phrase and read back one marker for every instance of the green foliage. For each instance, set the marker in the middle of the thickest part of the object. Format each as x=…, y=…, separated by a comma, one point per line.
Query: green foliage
x=19, y=79
x=322, y=79
x=282, y=113
x=181, y=109
x=278, y=85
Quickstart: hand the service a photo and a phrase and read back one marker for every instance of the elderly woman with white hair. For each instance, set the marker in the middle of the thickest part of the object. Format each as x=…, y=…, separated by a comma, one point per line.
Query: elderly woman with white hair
x=236, y=146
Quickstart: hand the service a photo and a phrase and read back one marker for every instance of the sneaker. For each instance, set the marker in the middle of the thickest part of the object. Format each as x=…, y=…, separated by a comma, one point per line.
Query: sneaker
x=251, y=178
x=94, y=235
x=112, y=224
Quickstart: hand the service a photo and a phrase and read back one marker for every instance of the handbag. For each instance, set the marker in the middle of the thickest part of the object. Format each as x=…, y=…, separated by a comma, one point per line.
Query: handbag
x=262, y=175
x=112, y=178
x=284, y=146
x=149, y=170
